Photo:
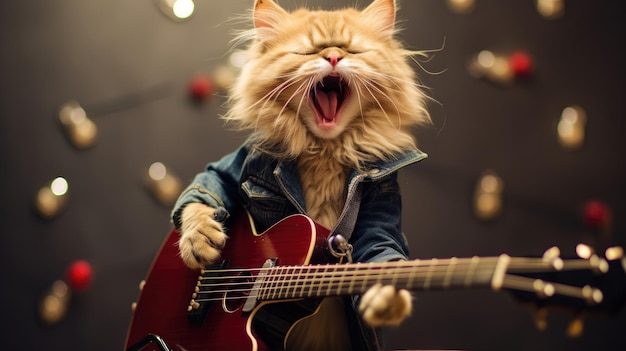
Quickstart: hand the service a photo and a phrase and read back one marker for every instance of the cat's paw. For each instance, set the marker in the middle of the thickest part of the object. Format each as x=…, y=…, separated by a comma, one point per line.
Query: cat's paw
x=384, y=305
x=202, y=238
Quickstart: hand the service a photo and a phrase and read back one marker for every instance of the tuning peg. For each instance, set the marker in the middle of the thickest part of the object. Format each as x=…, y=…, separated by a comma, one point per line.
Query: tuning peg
x=541, y=318
x=614, y=253
x=576, y=327
x=553, y=257
x=598, y=265
x=543, y=289
x=584, y=251
x=133, y=305
x=593, y=296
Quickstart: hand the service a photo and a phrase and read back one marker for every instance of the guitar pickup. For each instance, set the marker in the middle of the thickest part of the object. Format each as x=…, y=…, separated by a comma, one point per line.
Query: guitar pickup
x=252, y=299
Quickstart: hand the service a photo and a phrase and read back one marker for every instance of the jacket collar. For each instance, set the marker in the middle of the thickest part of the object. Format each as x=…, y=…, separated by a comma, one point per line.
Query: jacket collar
x=286, y=174
x=382, y=169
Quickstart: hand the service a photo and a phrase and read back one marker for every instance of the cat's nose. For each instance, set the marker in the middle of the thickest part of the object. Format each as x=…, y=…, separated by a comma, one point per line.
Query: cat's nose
x=333, y=59
x=332, y=55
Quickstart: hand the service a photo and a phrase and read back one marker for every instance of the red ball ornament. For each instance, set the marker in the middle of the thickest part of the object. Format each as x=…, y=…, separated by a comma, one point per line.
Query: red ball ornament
x=521, y=63
x=79, y=275
x=200, y=87
x=596, y=214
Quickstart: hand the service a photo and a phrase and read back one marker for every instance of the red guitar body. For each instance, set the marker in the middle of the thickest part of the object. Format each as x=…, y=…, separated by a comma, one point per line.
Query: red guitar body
x=161, y=309
x=218, y=308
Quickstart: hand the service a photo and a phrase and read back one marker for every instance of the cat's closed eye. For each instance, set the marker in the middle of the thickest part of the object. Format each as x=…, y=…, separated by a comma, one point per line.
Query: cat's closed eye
x=305, y=53
x=309, y=53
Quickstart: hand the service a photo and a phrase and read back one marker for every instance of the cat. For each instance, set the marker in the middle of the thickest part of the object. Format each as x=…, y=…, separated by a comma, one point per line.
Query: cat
x=326, y=95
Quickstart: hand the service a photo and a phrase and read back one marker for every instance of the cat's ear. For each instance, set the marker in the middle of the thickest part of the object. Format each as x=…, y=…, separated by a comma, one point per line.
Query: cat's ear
x=382, y=13
x=267, y=14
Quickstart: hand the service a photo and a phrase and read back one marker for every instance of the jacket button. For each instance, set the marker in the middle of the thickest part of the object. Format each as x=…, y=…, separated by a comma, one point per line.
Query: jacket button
x=374, y=171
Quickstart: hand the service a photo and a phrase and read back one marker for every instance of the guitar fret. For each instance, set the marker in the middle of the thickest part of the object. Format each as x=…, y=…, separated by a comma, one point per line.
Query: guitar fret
x=290, y=282
x=412, y=273
x=313, y=278
x=429, y=274
x=471, y=270
x=274, y=283
x=267, y=284
x=322, y=278
x=297, y=289
x=352, y=281
x=284, y=288
x=364, y=285
x=291, y=286
x=304, y=283
x=342, y=278
x=330, y=280
x=447, y=278
x=394, y=280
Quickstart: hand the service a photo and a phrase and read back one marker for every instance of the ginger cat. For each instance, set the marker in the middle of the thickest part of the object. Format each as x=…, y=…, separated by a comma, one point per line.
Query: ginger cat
x=332, y=93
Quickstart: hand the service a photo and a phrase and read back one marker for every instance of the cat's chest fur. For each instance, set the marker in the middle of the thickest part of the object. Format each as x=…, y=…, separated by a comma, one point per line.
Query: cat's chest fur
x=323, y=181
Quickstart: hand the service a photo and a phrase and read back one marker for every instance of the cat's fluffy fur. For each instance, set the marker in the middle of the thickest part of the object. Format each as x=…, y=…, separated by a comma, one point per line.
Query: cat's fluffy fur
x=291, y=56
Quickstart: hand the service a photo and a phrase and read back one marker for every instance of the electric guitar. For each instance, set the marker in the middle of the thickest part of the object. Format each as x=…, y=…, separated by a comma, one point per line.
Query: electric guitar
x=268, y=281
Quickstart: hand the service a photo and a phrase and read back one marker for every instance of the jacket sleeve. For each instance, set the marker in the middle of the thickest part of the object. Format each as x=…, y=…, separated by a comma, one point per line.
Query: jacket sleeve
x=377, y=234
x=217, y=186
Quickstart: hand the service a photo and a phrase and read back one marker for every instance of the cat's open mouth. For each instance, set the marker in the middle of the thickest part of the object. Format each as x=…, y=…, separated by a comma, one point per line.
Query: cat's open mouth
x=327, y=99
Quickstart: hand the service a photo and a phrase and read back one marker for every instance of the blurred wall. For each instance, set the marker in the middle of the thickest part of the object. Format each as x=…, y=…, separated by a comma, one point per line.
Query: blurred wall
x=129, y=66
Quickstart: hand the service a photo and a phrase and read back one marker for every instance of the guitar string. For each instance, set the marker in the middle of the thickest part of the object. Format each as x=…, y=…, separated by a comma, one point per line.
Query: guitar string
x=305, y=272
x=318, y=284
x=298, y=276
x=510, y=282
x=276, y=282
x=514, y=263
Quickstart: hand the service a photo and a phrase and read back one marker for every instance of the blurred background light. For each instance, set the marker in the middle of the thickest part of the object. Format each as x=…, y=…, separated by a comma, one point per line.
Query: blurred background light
x=177, y=10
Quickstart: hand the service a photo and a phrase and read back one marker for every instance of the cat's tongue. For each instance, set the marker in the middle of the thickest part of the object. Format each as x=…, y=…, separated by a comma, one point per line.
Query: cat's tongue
x=327, y=103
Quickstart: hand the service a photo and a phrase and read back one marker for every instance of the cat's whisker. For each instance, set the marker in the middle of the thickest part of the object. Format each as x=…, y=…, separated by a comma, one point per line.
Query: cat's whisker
x=367, y=84
x=395, y=81
x=301, y=88
x=272, y=93
x=280, y=89
x=358, y=95
x=309, y=86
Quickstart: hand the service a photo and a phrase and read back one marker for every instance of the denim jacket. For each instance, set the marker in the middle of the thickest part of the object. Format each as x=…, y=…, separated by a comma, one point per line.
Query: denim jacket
x=269, y=189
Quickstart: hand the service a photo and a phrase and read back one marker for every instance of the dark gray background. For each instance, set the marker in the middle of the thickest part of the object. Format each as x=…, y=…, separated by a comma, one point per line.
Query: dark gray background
x=129, y=66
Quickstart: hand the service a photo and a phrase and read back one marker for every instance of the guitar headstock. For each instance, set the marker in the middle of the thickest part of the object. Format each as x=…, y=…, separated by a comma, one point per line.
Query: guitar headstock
x=587, y=285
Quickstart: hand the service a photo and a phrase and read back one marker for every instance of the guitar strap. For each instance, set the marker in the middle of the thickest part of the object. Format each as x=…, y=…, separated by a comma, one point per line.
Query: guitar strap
x=338, y=240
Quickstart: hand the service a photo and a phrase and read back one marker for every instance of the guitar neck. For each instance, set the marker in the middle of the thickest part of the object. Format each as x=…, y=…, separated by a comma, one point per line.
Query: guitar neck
x=286, y=282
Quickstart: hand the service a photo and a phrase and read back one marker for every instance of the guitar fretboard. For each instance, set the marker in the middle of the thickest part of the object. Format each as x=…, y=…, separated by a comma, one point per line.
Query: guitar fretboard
x=286, y=282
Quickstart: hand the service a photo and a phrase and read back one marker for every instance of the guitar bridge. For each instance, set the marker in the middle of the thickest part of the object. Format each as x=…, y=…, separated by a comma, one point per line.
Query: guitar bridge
x=202, y=296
